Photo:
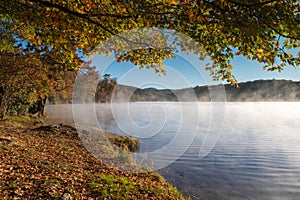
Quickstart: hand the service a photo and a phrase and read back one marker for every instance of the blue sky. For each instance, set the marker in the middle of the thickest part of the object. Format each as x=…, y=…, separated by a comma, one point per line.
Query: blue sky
x=186, y=71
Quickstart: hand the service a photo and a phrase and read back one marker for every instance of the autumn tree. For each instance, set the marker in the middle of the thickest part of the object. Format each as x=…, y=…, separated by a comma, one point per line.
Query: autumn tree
x=28, y=74
x=105, y=88
x=84, y=86
x=225, y=29
x=64, y=90
x=25, y=81
x=261, y=30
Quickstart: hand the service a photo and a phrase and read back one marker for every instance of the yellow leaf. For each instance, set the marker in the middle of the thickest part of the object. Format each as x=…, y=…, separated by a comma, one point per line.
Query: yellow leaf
x=260, y=50
x=200, y=18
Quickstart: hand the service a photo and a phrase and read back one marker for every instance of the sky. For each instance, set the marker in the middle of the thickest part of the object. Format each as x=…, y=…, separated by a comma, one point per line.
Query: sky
x=186, y=71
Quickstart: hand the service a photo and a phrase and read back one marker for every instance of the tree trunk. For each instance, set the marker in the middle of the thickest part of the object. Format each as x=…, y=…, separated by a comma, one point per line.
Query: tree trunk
x=4, y=104
x=44, y=100
x=41, y=106
x=38, y=108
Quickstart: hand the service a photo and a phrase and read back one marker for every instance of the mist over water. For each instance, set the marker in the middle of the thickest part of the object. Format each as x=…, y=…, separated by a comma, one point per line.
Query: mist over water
x=256, y=156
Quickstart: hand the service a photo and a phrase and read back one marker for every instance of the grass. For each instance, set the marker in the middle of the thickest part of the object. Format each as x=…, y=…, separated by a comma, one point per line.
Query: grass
x=126, y=143
x=112, y=187
x=21, y=121
x=116, y=187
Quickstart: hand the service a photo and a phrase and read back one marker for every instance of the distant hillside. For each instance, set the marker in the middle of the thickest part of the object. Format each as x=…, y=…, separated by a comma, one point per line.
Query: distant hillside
x=265, y=90
x=260, y=90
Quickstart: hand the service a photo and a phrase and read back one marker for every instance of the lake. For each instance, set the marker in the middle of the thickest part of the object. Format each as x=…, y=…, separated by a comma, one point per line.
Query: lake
x=212, y=150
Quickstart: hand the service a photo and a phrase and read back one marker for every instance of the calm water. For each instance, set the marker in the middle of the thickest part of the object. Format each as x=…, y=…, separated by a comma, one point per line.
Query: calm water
x=249, y=150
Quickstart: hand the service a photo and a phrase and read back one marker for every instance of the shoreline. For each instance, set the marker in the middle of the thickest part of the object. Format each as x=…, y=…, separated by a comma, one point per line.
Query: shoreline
x=41, y=161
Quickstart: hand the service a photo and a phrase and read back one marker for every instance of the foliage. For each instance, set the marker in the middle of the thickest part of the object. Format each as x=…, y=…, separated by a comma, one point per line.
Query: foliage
x=86, y=78
x=84, y=87
x=225, y=29
x=18, y=91
x=40, y=39
x=105, y=88
x=63, y=93
x=27, y=77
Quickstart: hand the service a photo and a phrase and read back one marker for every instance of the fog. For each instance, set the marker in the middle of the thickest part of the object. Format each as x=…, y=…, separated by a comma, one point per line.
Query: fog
x=181, y=124
x=256, y=91
x=209, y=150
x=271, y=116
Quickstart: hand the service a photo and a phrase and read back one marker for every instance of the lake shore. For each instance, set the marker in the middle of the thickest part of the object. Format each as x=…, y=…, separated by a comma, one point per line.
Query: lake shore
x=49, y=161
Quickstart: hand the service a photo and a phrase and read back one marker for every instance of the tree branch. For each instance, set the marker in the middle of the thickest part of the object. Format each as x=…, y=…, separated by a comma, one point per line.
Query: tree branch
x=274, y=29
x=251, y=4
x=211, y=3
x=89, y=19
x=76, y=14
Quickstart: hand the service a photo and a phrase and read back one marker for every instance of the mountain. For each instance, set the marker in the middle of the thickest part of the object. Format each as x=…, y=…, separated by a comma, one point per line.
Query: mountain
x=265, y=90
x=259, y=90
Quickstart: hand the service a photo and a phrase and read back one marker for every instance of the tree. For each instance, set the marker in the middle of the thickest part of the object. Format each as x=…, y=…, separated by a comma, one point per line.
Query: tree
x=64, y=90
x=27, y=76
x=16, y=88
x=57, y=30
x=105, y=88
x=87, y=77
x=224, y=28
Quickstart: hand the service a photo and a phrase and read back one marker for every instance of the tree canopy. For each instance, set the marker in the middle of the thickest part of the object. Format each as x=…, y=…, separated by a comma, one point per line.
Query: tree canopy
x=58, y=32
